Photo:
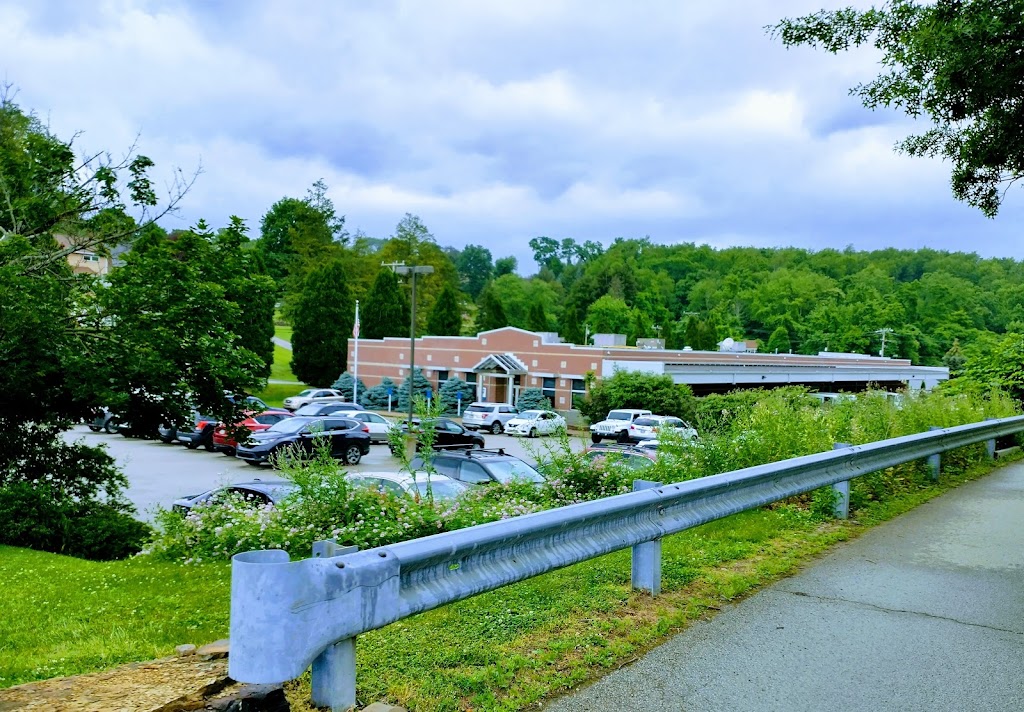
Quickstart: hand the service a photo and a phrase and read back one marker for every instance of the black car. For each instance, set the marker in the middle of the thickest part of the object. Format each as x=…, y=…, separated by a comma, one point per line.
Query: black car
x=480, y=467
x=348, y=440
x=447, y=435
x=257, y=492
x=311, y=409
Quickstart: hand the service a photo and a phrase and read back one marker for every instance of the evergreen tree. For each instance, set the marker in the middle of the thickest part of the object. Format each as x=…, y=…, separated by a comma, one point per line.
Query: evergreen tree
x=450, y=391
x=322, y=324
x=345, y=383
x=377, y=397
x=536, y=319
x=533, y=399
x=446, y=317
x=386, y=309
x=779, y=341
x=420, y=387
x=639, y=327
x=491, y=315
x=955, y=359
x=692, y=335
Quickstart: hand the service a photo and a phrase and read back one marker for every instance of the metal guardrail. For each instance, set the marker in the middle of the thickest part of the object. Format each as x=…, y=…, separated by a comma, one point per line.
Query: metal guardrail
x=286, y=616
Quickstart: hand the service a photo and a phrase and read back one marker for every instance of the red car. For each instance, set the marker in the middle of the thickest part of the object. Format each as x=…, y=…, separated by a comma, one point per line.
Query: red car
x=222, y=440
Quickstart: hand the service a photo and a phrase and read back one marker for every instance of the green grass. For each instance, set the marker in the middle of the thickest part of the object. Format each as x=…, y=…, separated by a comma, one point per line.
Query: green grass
x=62, y=616
x=275, y=393
x=283, y=332
x=281, y=369
x=502, y=650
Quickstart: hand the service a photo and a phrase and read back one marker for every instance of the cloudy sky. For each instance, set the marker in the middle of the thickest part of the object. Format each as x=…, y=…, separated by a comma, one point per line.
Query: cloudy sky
x=496, y=122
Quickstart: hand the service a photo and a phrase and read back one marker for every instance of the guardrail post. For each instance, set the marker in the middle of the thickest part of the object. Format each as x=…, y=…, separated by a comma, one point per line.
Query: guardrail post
x=647, y=555
x=842, y=489
x=334, y=670
x=990, y=446
x=934, y=461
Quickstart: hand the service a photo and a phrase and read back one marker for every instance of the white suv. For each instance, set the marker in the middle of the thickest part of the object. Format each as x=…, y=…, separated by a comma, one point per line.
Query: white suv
x=616, y=425
x=488, y=416
x=647, y=427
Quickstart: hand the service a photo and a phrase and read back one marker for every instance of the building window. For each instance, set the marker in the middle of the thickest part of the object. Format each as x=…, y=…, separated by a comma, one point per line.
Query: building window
x=471, y=377
x=579, y=390
x=534, y=362
x=430, y=357
x=548, y=389
x=456, y=359
x=442, y=376
x=518, y=381
x=401, y=356
x=563, y=364
x=90, y=258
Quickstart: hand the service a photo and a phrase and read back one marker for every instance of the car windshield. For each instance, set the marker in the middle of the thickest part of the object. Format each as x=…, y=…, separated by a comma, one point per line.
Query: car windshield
x=288, y=425
x=307, y=392
x=478, y=409
x=441, y=489
x=309, y=409
x=618, y=415
x=529, y=415
x=508, y=470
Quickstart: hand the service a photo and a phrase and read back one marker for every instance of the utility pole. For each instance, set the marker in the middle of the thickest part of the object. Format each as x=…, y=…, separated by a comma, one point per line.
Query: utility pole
x=883, y=332
x=402, y=268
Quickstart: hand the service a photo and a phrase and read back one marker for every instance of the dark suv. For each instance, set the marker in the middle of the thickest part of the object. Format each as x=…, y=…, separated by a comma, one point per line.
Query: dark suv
x=480, y=467
x=447, y=435
x=348, y=440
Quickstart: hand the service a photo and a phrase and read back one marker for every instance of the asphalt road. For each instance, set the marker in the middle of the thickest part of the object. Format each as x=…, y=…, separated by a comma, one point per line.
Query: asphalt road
x=925, y=612
x=159, y=473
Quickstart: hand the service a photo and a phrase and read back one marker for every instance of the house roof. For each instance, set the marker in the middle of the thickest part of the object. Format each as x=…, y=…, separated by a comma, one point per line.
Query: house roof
x=501, y=363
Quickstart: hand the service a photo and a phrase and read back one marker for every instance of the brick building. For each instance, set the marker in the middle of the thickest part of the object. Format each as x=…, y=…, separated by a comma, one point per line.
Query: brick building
x=502, y=362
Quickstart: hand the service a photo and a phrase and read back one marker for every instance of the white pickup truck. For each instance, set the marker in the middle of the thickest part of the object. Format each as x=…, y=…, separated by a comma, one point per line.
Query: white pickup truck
x=616, y=425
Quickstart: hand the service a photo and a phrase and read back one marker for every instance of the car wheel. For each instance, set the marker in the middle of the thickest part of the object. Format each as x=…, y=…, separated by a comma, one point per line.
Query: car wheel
x=533, y=433
x=595, y=439
x=207, y=441
x=166, y=434
x=95, y=428
x=111, y=426
x=353, y=455
x=496, y=427
x=192, y=444
x=623, y=438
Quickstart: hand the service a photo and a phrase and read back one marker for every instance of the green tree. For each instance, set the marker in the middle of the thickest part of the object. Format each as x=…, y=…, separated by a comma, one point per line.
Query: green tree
x=692, y=335
x=450, y=391
x=955, y=360
x=476, y=266
x=490, y=314
x=377, y=396
x=639, y=327
x=959, y=63
x=505, y=265
x=533, y=399
x=321, y=325
x=345, y=383
x=608, y=315
x=385, y=312
x=779, y=342
x=295, y=234
x=446, y=317
x=420, y=387
x=628, y=389
x=536, y=319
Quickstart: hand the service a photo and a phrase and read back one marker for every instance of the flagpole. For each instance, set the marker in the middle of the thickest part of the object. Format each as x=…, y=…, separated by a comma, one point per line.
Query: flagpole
x=355, y=366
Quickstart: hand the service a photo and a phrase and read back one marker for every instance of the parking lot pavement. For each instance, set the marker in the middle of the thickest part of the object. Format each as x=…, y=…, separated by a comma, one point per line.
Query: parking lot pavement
x=159, y=473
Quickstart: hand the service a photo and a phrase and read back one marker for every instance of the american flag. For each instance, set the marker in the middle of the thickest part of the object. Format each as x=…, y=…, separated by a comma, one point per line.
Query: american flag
x=355, y=327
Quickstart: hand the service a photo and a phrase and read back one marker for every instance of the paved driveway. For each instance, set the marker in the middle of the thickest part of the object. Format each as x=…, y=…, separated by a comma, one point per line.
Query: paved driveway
x=159, y=473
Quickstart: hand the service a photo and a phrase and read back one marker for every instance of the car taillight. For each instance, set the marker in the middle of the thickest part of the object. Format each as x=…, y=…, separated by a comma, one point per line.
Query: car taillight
x=484, y=417
x=366, y=428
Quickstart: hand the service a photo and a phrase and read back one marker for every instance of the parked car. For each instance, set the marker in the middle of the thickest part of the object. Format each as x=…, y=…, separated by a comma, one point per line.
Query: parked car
x=647, y=427
x=478, y=467
x=313, y=395
x=532, y=423
x=447, y=435
x=442, y=488
x=327, y=408
x=348, y=440
x=105, y=421
x=169, y=433
x=257, y=492
x=488, y=416
x=380, y=427
x=616, y=425
x=630, y=456
x=224, y=441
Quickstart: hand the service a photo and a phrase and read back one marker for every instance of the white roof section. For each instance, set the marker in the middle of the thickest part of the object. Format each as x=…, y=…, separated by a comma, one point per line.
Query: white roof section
x=501, y=363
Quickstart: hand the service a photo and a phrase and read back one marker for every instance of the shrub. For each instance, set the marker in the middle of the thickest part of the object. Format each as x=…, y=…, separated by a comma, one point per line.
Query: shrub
x=533, y=399
x=449, y=392
x=630, y=389
x=377, y=397
x=346, y=382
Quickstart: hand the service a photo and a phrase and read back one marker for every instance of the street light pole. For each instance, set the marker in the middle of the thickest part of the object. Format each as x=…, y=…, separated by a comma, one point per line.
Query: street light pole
x=402, y=268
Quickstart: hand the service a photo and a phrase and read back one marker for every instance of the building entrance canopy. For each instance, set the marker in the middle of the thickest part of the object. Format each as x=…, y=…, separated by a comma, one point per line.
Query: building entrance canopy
x=501, y=363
